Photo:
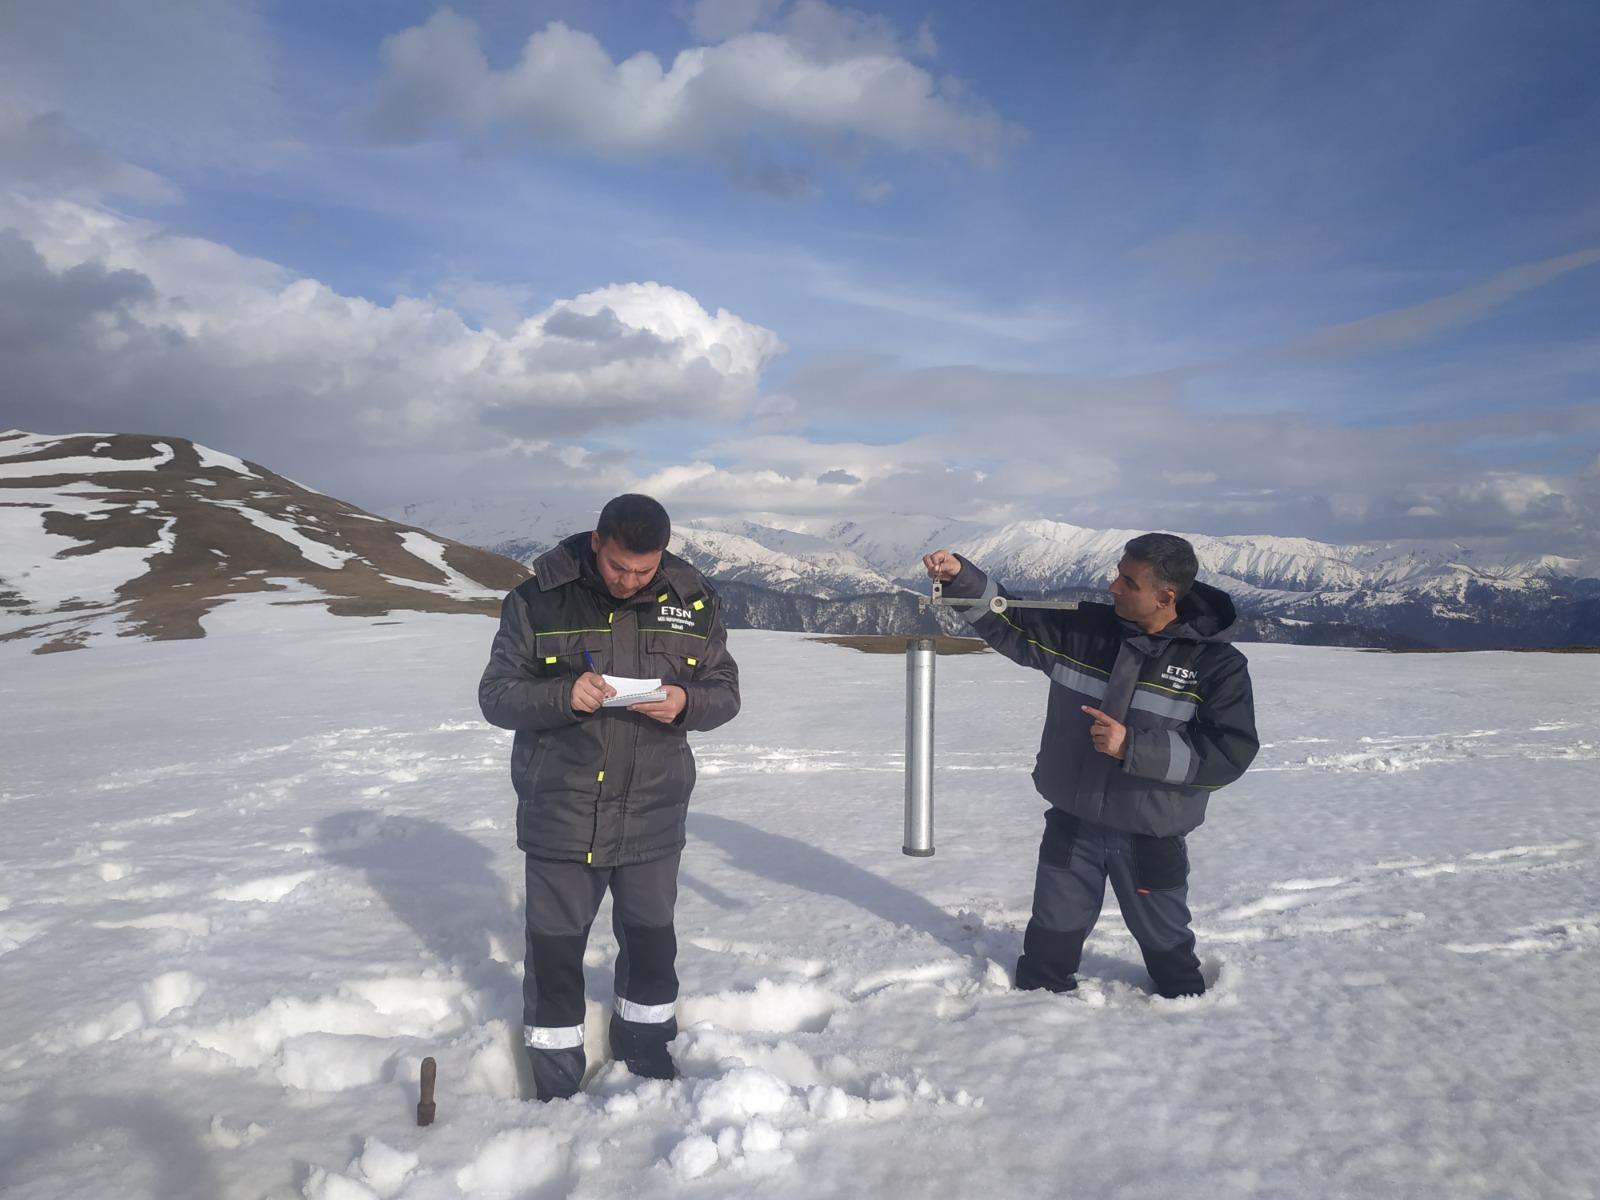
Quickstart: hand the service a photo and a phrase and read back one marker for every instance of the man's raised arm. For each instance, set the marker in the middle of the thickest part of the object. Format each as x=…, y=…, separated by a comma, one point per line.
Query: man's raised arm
x=1031, y=637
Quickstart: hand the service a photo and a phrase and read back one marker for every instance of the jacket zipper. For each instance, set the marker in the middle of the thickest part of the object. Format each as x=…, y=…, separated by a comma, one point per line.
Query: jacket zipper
x=600, y=776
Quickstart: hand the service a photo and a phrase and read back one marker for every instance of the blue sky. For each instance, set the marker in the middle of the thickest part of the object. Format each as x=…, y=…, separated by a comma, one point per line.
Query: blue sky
x=1328, y=270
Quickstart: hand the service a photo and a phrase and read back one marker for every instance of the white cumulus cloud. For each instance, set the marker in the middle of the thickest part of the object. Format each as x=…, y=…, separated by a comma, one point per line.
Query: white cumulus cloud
x=825, y=77
x=109, y=321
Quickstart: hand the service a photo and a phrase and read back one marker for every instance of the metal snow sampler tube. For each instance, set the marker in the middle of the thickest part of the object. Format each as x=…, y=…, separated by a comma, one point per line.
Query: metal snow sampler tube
x=920, y=657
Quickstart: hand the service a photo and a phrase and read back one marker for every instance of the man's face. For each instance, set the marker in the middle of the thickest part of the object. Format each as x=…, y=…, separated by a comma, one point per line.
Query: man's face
x=621, y=570
x=1136, y=594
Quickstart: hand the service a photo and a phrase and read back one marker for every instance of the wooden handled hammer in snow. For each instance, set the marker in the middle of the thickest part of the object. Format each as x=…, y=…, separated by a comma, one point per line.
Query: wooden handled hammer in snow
x=430, y=1070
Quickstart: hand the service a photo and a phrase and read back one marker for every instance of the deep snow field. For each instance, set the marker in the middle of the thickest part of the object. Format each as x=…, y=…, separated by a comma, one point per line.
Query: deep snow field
x=249, y=882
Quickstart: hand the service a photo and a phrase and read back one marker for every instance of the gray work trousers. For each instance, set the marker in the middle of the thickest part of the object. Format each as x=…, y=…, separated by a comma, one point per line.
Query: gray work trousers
x=562, y=900
x=1150, y=876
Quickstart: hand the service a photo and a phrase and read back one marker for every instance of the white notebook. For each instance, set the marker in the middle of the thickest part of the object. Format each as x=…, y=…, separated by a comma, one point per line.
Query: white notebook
x=632, y=691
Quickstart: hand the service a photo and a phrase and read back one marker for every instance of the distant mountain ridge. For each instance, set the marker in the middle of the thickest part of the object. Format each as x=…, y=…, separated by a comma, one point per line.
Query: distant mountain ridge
x=1447, y=594
x=134, y=534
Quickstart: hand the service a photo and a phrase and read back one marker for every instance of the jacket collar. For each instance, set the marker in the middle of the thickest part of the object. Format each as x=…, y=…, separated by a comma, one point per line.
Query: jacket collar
x=562, y=563
x=571, y=559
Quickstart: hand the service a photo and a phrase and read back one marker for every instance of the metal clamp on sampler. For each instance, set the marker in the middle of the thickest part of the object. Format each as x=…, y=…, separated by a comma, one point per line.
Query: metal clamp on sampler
x=920, y=655
x=998, y=605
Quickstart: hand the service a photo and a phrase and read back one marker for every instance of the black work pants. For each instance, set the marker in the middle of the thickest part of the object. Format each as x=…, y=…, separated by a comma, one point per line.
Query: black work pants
x=562, y=900
x=1150, y=876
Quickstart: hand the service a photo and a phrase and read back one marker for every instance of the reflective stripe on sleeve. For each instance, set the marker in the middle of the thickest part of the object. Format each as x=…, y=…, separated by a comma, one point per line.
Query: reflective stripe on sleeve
x=973, y=615
x=1079, y=681
x=1177, y=707
x=1179, y=758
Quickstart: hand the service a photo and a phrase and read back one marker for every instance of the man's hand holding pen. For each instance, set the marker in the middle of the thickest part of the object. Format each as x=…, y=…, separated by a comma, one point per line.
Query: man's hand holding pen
x=590, y=690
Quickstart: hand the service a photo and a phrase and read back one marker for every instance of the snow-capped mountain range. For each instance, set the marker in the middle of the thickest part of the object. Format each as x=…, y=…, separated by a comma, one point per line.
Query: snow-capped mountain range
x=123, y=534
x=132, y=534
x=1443, y=593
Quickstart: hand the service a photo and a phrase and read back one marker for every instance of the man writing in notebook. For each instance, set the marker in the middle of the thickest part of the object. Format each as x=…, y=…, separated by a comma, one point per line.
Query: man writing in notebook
x=603, y=789
x=1150, y=712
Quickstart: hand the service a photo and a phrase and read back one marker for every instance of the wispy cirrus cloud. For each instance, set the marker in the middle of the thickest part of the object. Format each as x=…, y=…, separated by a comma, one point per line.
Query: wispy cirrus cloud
x=1419, y=322
x=188, y=83
x=43, y=152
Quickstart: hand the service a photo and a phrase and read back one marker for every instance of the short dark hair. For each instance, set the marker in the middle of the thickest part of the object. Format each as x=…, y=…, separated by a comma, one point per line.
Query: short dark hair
x=1171, y=558
x=638, y=522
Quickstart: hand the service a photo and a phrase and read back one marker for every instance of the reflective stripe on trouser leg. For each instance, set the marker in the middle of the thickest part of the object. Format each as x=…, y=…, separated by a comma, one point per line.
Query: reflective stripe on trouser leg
x=562, y=899
x=645, y=1018
x=561, y=902
x=647, y=982
x=643, y=897
x=552, y=999
x=552, y=986
x=1158, y=917
x=1067, y=893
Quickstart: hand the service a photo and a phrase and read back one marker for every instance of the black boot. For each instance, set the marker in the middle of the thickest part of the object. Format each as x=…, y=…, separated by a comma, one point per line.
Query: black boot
x=556, y=1073
x=1050, y=977
x=1049, y=958
x=643, y=1048
x=1175, y=972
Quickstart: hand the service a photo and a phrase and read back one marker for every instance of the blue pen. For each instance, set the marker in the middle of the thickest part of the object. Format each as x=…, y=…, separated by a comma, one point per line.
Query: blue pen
x=589, y=658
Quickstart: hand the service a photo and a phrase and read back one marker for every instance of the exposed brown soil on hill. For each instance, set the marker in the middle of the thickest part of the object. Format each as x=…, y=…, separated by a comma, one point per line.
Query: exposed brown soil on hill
x=207, y=518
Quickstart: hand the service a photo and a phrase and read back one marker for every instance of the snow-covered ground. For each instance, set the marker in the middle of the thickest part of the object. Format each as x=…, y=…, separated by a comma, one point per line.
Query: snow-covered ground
x=250, y=881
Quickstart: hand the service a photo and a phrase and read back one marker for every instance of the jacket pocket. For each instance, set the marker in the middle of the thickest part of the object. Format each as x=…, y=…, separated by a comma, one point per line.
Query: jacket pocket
x=561, y=652
x=525, y=777
x=1160, y=863
x=671, y=656
x=540, y=753
x=687, y=757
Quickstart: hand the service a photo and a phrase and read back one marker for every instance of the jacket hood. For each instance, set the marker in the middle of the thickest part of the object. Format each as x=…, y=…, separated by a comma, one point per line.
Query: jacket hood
x=1204, y=615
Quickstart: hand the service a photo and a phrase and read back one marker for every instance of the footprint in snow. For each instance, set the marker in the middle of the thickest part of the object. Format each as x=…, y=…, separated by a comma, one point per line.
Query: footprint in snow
x=1548, y=937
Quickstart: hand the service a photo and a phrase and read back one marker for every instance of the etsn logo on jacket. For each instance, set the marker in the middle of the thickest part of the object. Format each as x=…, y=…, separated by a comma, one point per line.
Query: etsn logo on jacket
x=1179, y=676
x=678, y=618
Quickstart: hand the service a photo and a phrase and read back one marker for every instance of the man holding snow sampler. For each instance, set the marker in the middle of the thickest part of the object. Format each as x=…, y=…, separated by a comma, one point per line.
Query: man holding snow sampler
x=1150, y=712
x=602, y=784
